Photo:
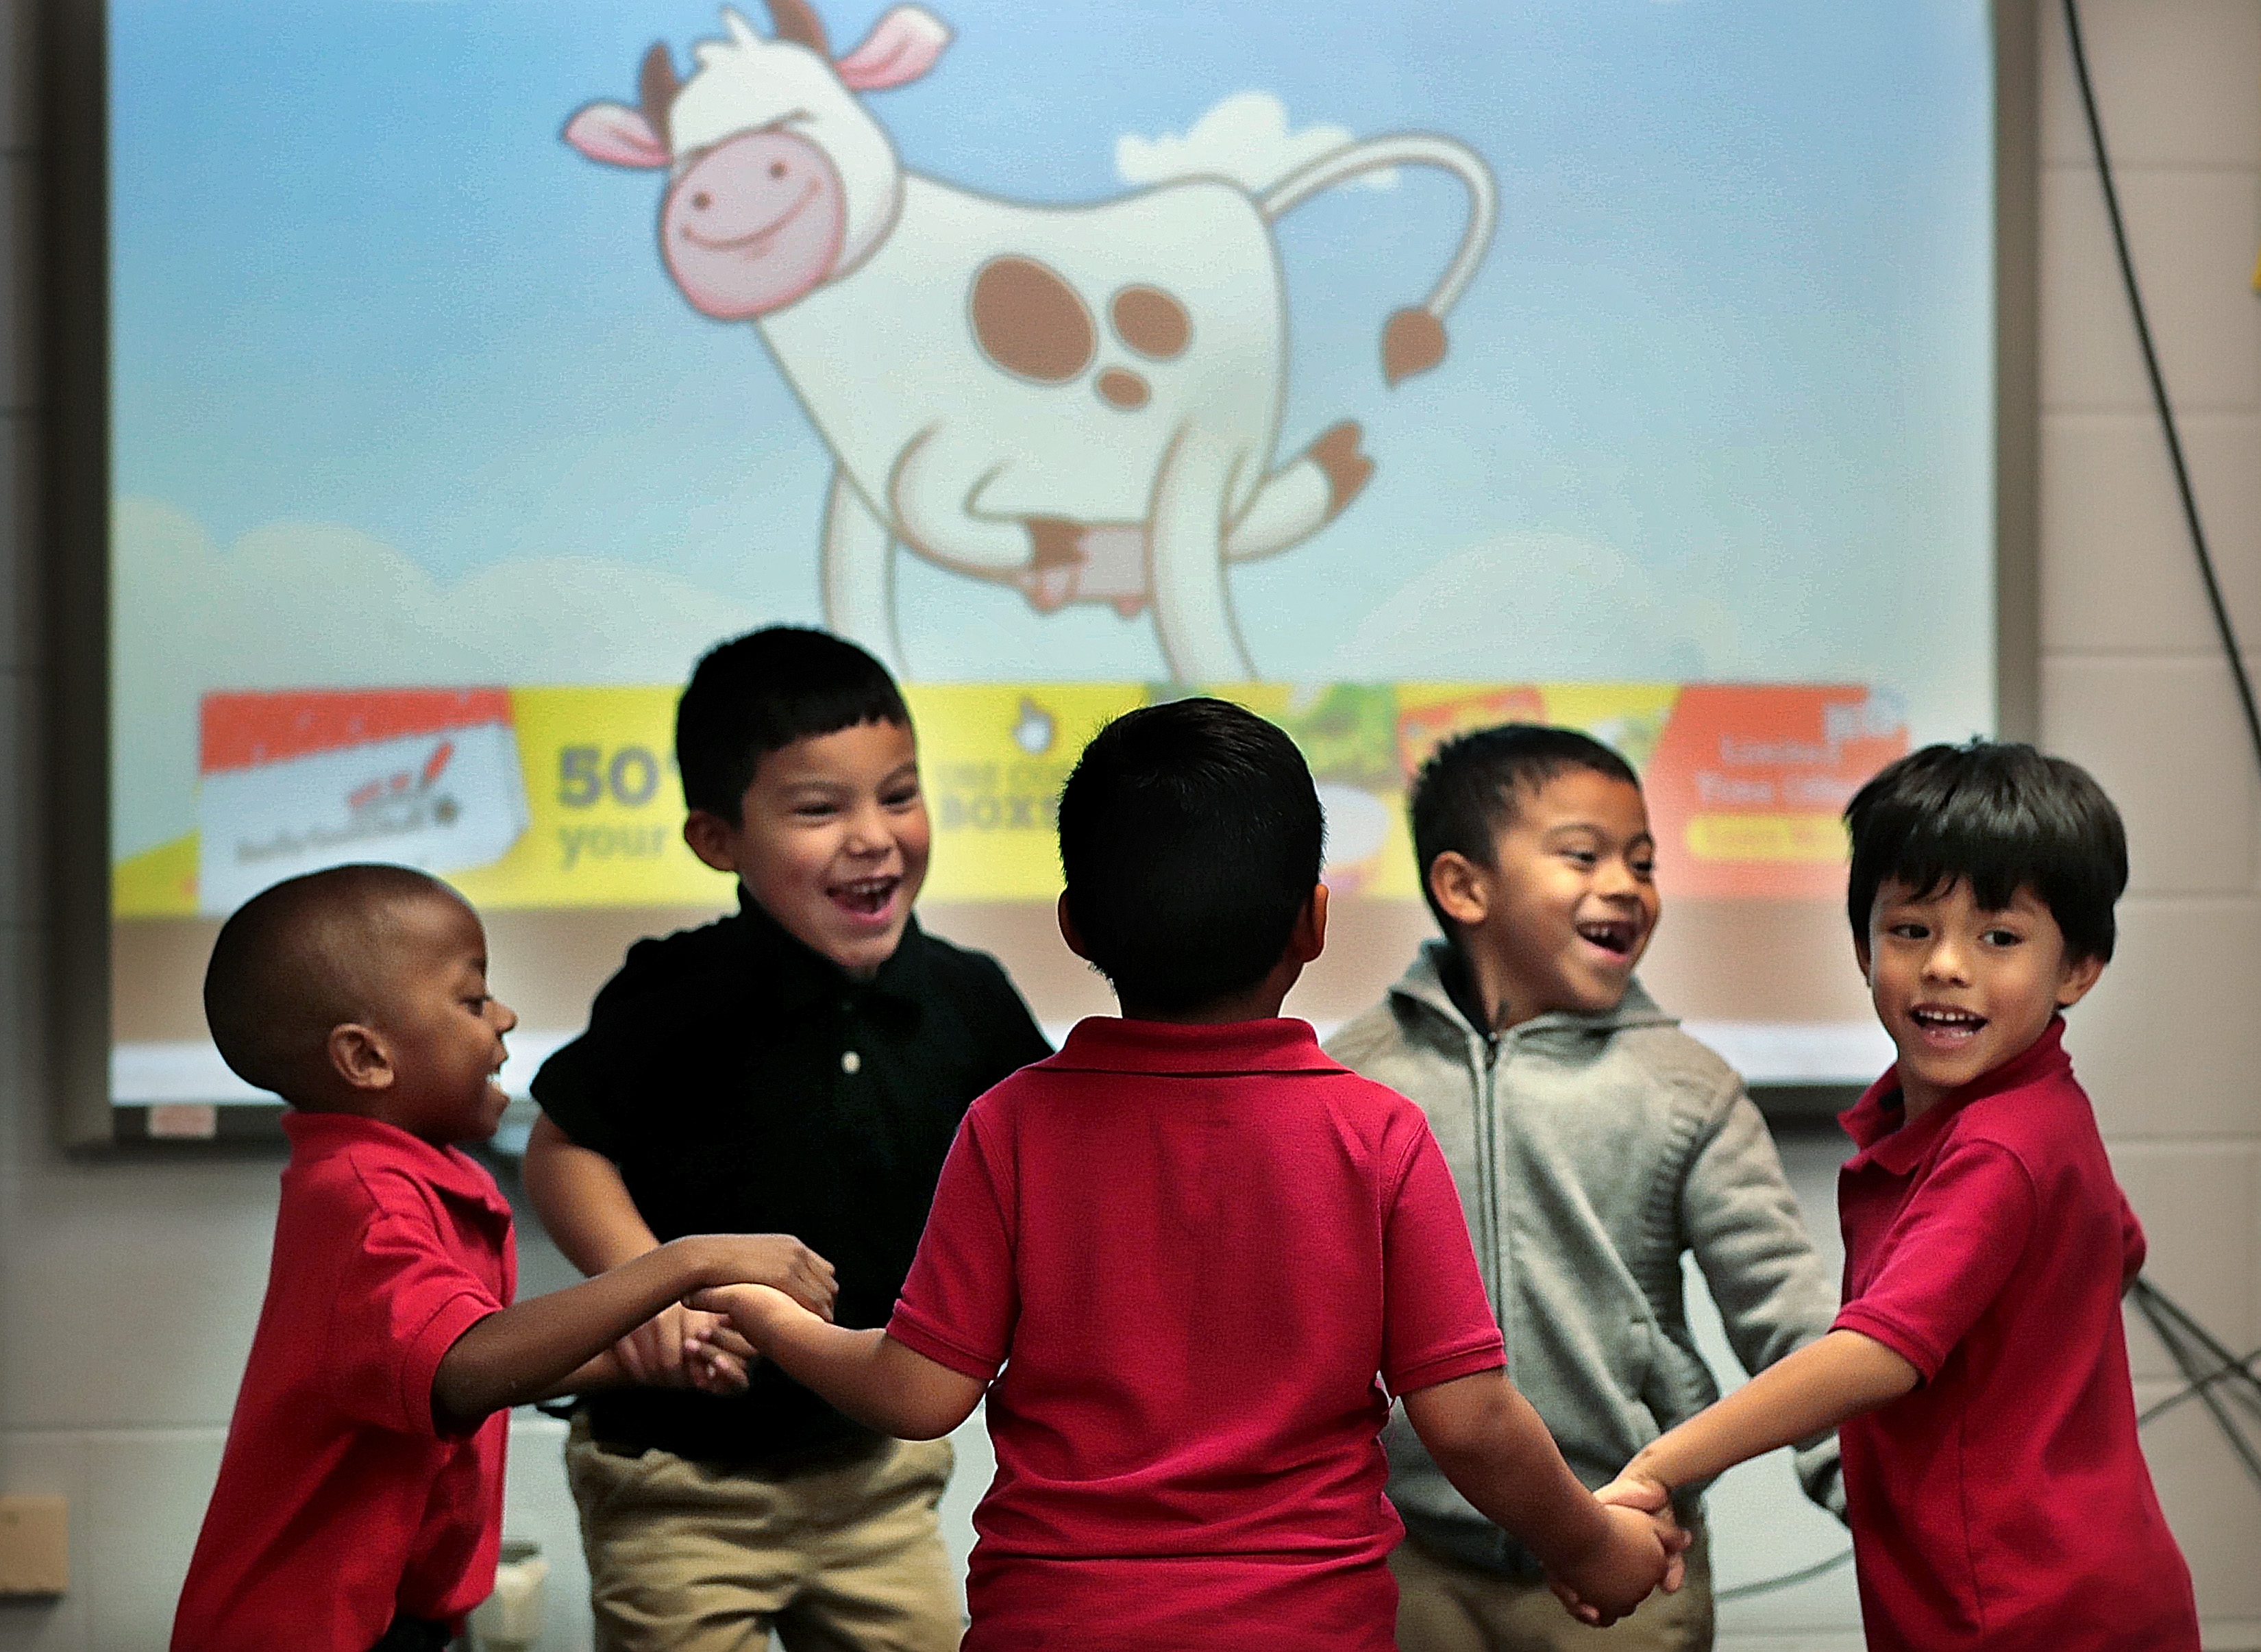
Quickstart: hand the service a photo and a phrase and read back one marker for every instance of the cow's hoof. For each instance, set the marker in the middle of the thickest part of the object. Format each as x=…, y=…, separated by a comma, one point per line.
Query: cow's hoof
x=1348, y=469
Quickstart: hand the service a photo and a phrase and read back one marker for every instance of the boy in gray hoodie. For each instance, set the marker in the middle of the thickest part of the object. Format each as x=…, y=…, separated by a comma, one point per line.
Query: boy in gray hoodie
x=1593, y=1143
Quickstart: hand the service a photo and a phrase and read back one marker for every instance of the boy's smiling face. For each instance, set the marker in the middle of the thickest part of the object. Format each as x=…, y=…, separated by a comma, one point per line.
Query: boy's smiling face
x=1962, y=989
x=1562, y=914
x=443, y=1030
x=831, y=840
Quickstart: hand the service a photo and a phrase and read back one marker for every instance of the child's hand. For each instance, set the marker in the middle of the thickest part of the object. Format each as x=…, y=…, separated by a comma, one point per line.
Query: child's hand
x=715, y=1357
x=653, y=1351
x=1618, y=1573
x=778, y=1261
x=751, y=1310
x=1633, y=1491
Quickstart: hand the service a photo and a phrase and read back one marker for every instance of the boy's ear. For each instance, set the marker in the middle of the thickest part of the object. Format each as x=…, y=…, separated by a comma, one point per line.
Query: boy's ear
x=359, y=1056
x=2079, y=975
x=709, y=834
x=1461, y=888
x=1067, y=930
x=1861, y=954
x=1310, y=936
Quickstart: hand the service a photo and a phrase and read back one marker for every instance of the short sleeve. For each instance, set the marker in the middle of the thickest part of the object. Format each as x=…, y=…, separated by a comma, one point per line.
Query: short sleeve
x=401, y=1302
x=1437, y=1324
x=570, y=1087
x=958, y=1306
x=1946, y=1255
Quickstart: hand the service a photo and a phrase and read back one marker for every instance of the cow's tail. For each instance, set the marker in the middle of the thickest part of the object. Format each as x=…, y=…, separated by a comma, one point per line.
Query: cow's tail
x=1413, y=342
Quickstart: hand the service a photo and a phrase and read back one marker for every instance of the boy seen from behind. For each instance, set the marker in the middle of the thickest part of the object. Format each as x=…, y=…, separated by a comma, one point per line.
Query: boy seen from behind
x=1977, y=1373
x=1594, y=1144
x=359, y=1502
x=799, y=1066
x=1191, y=1244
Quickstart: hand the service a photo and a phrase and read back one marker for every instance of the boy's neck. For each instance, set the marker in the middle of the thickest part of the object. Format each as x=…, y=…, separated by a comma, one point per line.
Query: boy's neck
x=1482, y=995
x=1258, y=1005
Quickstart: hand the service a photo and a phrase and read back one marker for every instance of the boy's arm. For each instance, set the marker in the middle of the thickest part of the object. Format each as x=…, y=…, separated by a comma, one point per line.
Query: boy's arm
x=532, y=1350
x=1497, y=1454
x=1818, y=1386
x=875, y=1379
x=587, y=1209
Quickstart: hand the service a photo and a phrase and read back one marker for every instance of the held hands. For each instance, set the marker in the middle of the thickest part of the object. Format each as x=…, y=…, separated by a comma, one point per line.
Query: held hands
x=683, y=1345
x=1644, y=1550
x=778, y=1261
x=734, y=1318
x=658, y=1352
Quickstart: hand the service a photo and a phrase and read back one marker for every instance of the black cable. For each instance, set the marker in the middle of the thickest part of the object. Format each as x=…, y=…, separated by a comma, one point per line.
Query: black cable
x=2206, y=1365
x=1787, y=1580
x=2158, y=382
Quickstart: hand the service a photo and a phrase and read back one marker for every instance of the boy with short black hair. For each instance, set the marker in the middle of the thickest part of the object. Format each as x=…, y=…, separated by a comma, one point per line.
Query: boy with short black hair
x=1594, y=1144
x=1190, y=1242
x=799, y=1066
x=1978, y=1371
x=359, y=1502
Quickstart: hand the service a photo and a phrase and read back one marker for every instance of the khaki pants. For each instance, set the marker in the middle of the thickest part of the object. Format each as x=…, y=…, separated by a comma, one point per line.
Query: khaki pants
x=1445, y=1606
x=692, y=1558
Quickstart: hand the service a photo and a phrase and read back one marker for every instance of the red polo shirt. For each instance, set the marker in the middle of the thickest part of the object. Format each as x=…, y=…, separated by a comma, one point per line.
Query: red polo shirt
x=2004, y=1503
x=339, y=1504
x=1192, y=1250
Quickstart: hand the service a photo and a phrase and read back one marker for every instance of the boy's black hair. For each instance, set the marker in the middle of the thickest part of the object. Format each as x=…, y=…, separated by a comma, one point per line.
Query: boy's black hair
x=758, y=693
x=1191, y=837
x=2001, y=816
x=308, y=954
x=1467, y=790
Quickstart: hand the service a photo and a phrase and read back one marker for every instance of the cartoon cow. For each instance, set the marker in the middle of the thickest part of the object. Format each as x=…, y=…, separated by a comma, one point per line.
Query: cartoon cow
x=1082, y=402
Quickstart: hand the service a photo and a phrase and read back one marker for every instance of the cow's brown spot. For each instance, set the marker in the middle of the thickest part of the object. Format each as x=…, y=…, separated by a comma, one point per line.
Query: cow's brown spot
x=1030, y=322
x=1152, y=322
x=1119, y=388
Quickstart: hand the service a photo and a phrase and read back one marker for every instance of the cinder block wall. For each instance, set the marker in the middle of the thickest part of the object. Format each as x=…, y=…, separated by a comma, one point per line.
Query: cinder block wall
x=128, y=1291
x=2135, y=683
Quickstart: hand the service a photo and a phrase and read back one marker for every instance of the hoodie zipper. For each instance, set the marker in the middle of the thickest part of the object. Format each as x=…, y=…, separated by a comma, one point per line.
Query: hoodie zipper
x=1487, y=1133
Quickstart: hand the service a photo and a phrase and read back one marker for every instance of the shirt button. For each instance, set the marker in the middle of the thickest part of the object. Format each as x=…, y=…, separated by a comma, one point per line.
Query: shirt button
x=851, y=1062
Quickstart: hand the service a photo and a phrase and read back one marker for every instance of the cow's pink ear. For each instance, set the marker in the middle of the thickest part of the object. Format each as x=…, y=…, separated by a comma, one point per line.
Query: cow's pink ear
x=617, y=135
x=901, y=46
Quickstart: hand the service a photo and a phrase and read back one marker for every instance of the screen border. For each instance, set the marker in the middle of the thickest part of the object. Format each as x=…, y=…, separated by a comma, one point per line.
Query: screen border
x=72, y=222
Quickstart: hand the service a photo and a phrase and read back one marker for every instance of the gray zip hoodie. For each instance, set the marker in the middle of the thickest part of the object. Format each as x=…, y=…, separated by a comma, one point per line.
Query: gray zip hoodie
x=1589, y=1153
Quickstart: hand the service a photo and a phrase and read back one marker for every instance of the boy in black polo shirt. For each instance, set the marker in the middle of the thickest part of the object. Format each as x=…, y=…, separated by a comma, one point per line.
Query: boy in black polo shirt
x=802, y=1068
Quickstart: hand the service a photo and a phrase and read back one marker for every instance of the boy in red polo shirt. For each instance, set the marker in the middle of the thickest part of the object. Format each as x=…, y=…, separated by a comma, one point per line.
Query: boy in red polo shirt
x=359, y=1504
x=1977, y=1373
x=1191, y=1243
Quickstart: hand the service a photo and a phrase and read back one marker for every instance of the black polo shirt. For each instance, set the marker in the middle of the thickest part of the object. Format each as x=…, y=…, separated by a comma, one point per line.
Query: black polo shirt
x=744, y=1084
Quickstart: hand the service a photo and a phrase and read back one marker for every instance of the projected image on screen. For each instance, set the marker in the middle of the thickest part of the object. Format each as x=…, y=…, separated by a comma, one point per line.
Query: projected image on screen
x=477, y=364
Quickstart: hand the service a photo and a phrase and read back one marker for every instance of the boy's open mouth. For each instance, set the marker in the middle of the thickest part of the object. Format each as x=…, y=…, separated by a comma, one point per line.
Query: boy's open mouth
x=1614, y=935
x=866, y=897
x=1939, y=1021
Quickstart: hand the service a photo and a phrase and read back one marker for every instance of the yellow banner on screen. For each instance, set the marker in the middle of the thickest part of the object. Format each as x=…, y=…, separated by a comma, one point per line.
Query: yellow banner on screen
x=577, y=785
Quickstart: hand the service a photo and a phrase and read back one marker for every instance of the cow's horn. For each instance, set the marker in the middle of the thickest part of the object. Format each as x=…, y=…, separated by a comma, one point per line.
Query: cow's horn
x=656, y=88
x=796, y=20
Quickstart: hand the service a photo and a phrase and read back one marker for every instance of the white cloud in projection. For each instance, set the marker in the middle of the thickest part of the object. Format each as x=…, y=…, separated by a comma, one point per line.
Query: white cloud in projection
x=1545, y=607
x=1244, y=137
x=310, y=605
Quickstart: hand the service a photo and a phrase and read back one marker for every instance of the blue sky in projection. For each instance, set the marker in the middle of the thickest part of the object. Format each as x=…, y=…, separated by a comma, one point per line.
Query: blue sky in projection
x=1715, y=406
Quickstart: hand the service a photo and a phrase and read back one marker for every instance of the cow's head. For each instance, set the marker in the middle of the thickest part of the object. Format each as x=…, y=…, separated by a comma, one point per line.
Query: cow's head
x=780, y=180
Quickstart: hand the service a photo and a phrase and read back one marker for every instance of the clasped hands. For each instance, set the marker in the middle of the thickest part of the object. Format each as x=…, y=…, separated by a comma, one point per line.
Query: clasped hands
x=684, y=1346
x=1604, y=1600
